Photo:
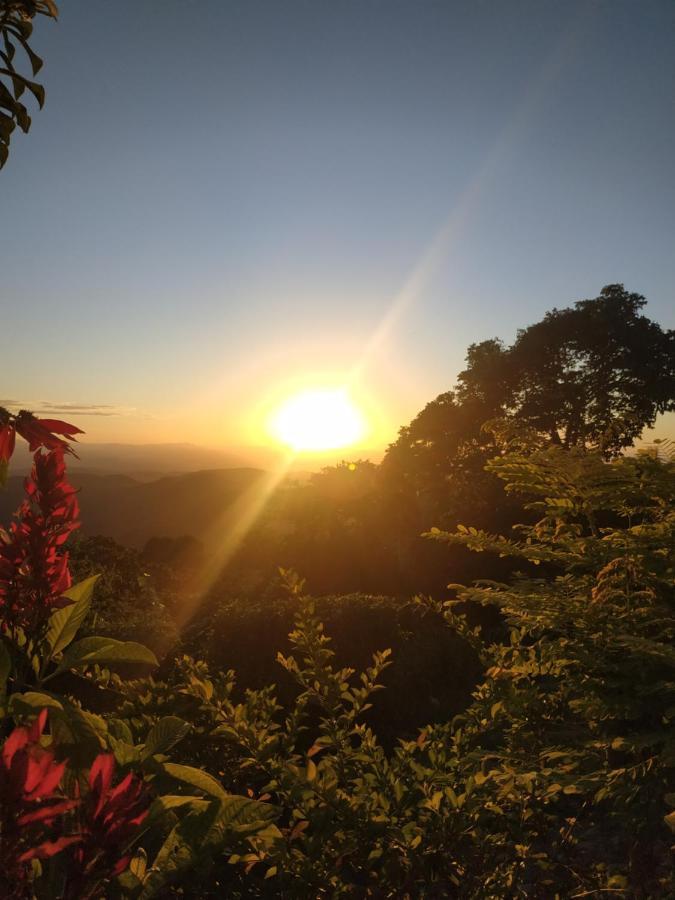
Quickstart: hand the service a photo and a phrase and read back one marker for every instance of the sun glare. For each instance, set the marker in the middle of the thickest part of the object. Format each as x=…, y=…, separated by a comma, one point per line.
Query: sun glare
x=316, y=420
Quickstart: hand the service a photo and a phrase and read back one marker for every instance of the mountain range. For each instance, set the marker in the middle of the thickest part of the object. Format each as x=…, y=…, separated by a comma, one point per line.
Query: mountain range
x=145, y=462
x=203, y=504
x=132, y=492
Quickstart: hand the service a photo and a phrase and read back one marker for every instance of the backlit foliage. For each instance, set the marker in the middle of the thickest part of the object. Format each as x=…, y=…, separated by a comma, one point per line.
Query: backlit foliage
x=76, y=800
x=573, y=726
x=558, y=779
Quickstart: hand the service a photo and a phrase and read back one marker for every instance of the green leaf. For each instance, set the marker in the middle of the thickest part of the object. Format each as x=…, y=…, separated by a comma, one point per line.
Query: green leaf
x=35, y=61
x=196, y=778
x=105, y=651
x=21, y=83
x=202, y=834
x=64, y=623
x=173, y=801
x=119, y=729
x=22, y=117
x=167, y=803
x=18, y=84
x=126, y=754
x=164, y=735
x=571, y=789
x=38, y=92
x=180, y=851
x=10, y=49
x=129, y=884
x=82, y=722
x=7, y=126
x=243, y=815
x=32, y=701
x=139, y=863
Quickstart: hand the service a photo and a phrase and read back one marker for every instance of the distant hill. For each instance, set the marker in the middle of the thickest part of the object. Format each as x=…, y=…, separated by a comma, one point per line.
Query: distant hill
x=149, y=461
x=132, y=492
x=202, y=504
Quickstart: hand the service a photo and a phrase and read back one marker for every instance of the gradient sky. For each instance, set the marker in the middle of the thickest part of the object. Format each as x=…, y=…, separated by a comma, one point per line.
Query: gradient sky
x=223, y=199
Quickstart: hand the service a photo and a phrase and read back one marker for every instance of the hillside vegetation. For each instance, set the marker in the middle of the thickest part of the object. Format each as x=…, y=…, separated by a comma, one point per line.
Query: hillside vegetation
x=508, y=735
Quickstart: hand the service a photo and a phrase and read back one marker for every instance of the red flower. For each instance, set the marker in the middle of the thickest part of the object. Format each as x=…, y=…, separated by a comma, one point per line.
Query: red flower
x=60, y=427
x=117, y=811
x=109, y=820
x=32, y=823
x=33, y=564
x=28, y=771
x=7, y=440
x=38, y=432
x=7, y=436
x=29, y=780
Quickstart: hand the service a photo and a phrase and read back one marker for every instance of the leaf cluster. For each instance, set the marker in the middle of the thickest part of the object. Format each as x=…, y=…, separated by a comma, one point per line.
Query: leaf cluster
x=16, y=29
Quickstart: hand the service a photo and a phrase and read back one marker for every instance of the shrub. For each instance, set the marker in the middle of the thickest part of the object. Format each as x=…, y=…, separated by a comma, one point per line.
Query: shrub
x=435, y=671
x=126, y=604
x=556, y=780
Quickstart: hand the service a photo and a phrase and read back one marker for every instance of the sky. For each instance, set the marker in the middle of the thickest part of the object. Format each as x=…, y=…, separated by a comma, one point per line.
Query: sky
x=226, y=201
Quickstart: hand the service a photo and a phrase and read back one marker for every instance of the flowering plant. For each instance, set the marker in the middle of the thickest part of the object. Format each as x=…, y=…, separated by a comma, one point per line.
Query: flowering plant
x=48, y=433
x=76, y=800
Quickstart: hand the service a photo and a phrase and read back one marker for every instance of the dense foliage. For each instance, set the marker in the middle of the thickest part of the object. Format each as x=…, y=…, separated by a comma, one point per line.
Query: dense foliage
x=556, y=779
x=120, y=778
x=593, y=376
x=435, y=670
x=75, y=802
x=572, y=727
x=127, y=604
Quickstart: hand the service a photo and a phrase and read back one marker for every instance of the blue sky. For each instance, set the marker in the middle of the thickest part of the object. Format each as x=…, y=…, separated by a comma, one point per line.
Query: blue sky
x=224, y=199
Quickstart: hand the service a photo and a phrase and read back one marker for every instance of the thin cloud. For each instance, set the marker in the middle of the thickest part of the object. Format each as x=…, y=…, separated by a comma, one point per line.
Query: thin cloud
x=45, y=408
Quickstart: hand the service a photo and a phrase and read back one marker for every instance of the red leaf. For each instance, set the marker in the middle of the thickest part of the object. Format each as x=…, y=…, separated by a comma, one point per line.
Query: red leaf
x=49, y=777
x=100, y=777
x=17, y=740
x=7, y=441
x=47, y=813
x=49, y=848
x=38, y=726
x=121, y=865
x=60, y=427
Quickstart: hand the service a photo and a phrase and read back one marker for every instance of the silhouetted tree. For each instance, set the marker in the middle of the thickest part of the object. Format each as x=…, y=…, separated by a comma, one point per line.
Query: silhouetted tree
x=595, y=374
x=592, y=375
x=16, y=27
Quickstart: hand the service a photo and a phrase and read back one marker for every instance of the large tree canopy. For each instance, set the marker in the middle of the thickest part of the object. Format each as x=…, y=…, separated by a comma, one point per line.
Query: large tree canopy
x=592, y=375
x=595, y=374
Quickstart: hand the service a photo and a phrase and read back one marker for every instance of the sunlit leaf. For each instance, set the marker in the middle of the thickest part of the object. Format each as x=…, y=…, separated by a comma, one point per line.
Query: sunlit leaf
x=64, y=623
x=196, y=778
x=106, y=651
x=30, y=701
x=164, y=735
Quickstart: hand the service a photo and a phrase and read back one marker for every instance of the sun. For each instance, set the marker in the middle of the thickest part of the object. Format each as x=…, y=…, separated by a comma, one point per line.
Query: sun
x=320, y=419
